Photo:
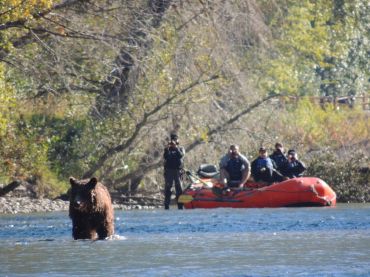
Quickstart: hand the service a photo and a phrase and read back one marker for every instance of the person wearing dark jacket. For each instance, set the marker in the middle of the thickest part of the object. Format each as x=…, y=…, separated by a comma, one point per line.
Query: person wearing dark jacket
x=263, y=167
x=293, y=167
x=280, y=159
x=173, y=165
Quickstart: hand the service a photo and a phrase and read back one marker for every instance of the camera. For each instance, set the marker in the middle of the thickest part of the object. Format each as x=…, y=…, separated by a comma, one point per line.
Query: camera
x=171, y=144
x=291, y=156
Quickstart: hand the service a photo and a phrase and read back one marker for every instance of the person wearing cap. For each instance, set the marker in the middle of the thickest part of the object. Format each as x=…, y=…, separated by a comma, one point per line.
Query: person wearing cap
x=234, y=168
x=173, y=165
x=263, y=167
x=278, y=156
x=293, y=167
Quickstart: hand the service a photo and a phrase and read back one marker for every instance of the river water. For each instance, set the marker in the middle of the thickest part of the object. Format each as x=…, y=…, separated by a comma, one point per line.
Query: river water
x=218, y=242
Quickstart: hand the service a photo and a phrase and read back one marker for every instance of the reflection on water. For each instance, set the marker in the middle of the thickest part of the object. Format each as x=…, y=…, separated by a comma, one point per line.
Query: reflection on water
x=220, y=242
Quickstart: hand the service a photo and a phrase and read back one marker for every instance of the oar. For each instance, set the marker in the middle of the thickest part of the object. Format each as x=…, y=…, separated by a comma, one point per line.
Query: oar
x=215, y=189
x=280, y=174
x=185, y=198
x=188, y=172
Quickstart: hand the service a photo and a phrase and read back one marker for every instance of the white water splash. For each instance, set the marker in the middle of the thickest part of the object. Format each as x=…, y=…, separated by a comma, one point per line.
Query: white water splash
x=115, y=237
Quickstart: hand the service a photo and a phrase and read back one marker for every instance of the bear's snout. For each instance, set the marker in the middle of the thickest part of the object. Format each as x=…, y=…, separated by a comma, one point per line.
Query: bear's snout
x=77, y=201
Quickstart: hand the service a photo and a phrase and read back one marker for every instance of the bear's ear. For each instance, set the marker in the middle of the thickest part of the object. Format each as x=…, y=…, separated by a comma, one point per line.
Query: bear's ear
x=92, y=183
x=72, y=181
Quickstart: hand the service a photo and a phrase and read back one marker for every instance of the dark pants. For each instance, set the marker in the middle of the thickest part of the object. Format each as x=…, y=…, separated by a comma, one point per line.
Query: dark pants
x=172, y=176
x=233, y=183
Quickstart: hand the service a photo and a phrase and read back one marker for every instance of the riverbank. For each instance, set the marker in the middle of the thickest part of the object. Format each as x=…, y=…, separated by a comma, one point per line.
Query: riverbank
x=18, y=205
x=23, y=199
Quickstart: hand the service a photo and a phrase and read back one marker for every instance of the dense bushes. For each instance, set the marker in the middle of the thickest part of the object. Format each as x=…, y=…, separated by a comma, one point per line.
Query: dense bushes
x=348, y=174
x=61, y=136
x=40, y=149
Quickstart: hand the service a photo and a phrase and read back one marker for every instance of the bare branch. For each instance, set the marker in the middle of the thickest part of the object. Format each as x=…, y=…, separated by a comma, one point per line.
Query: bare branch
x=143, y=169
x=141, y=124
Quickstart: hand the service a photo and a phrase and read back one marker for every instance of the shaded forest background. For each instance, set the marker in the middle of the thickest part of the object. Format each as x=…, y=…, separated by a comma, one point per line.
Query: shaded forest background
x=93, y=88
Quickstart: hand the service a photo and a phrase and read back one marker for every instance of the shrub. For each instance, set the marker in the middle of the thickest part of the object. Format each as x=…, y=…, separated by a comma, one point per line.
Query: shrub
x=349, y=176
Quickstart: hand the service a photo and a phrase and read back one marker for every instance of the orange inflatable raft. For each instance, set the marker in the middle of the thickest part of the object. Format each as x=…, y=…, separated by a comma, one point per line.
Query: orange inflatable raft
x=296, y=192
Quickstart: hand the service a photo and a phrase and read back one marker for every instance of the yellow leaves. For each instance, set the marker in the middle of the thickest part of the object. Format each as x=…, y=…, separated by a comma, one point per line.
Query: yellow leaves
x=328, y=126
x=14, y=10
x=7, y=102
x=306, y=30
x=281, y=78
x=20, y=11
x=204, y=135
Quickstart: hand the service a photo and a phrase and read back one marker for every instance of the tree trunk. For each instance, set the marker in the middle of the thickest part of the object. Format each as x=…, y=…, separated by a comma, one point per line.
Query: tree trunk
x=122, y=79
x=8, y=188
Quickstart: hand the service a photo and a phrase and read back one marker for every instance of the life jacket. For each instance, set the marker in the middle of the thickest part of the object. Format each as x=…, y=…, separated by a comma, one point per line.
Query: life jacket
x=234, y=168
x=279, y=159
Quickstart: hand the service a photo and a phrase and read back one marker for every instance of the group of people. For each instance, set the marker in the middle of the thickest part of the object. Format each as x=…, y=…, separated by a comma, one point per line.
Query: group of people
x=235, y=169
x=277, y=167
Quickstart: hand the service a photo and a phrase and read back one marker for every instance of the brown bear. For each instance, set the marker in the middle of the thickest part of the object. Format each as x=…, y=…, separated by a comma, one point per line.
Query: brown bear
x=90, y=209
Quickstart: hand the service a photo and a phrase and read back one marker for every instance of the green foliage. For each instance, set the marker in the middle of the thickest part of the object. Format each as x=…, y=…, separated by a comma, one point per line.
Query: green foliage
x=317, y=50
x=7, y=104
x=40, y=149
x=35, y=147
x=63, y=142
x=310, y=125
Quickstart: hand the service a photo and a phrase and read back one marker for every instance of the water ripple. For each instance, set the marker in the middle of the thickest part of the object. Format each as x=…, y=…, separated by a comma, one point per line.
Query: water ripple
x=221, y=242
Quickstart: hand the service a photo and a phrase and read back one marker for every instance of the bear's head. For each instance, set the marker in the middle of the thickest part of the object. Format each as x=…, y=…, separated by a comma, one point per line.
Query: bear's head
x=82, y=194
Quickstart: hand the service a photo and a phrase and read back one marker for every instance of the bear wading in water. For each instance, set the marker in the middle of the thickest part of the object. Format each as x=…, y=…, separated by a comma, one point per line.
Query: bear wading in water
x=90, y=209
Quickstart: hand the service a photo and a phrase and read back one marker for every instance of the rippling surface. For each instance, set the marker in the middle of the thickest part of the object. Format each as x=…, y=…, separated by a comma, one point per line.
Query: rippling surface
x=219, y=242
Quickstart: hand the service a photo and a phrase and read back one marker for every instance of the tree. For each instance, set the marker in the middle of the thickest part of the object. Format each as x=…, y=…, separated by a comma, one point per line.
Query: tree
x=115, y=77
x=313, y=52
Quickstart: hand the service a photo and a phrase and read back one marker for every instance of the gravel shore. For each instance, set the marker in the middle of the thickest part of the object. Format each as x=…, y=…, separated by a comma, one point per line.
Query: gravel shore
x=17, y=205
x=22, y=200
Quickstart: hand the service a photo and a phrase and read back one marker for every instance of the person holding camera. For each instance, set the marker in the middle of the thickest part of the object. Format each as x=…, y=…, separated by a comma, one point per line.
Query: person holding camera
x=278, y=156
x=173, y=165
x=293, y=167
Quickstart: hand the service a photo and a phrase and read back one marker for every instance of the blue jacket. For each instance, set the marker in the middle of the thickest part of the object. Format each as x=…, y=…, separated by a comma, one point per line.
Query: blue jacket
x=263, y=169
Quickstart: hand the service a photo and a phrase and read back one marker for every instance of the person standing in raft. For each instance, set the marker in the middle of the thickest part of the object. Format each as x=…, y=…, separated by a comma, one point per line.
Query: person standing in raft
x=234, y=168
x=173, y=165
x=293, y=167
x=263, y=167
